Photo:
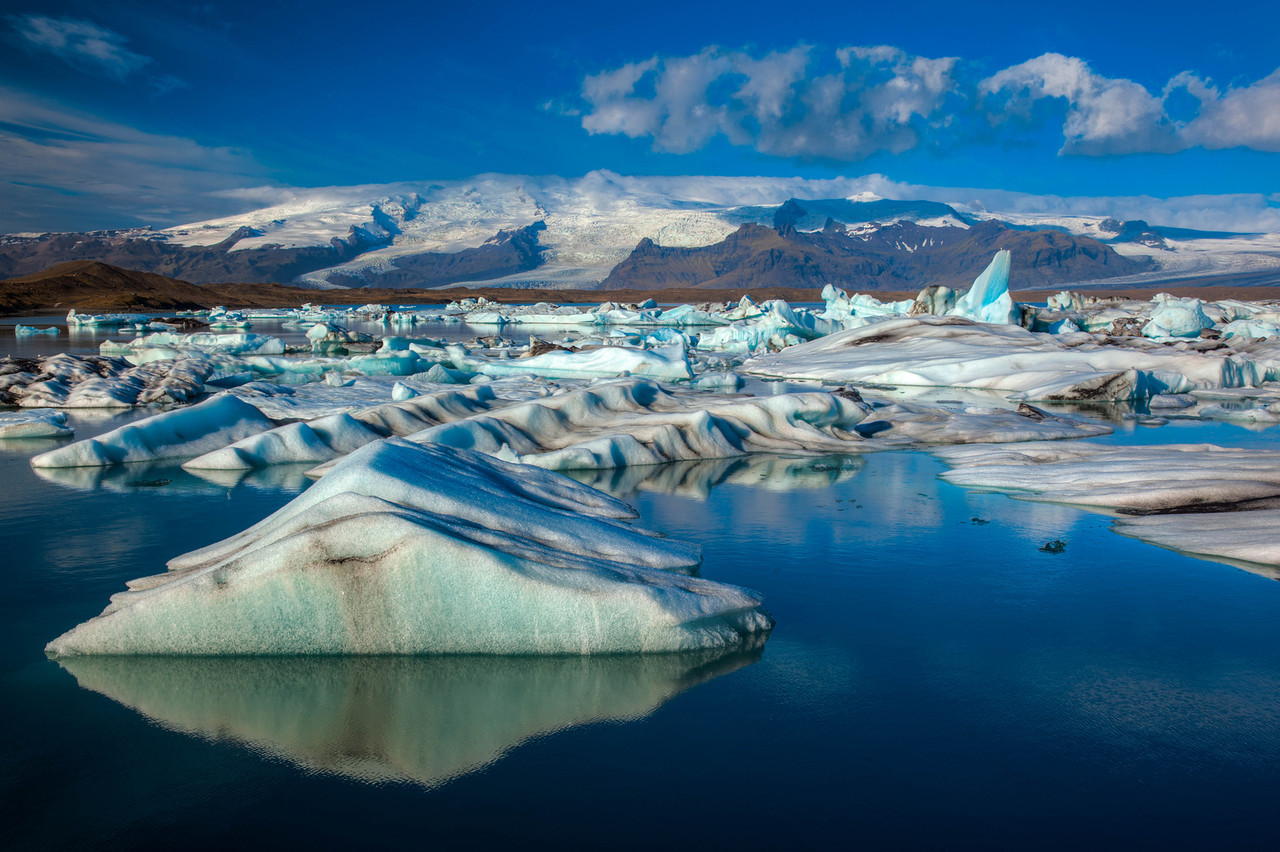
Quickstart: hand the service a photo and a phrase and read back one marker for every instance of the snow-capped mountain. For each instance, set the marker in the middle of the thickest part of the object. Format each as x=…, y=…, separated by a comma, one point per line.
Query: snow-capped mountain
x=572, y=232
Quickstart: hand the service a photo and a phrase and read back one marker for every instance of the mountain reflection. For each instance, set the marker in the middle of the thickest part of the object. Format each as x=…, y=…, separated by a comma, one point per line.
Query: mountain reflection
x=425, y=720
x=698, y=478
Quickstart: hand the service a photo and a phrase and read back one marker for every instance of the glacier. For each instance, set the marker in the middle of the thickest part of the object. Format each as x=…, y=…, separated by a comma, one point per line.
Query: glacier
x=423, y=549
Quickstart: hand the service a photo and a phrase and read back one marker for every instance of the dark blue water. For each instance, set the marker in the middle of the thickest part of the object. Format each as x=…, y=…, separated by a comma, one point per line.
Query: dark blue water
x=933, y=681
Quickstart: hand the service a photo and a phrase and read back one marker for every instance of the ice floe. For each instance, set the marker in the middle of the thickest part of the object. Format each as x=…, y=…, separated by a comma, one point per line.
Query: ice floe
x=34, y=423
x=419, y=549
x=1232, y=537
x=1131, y=479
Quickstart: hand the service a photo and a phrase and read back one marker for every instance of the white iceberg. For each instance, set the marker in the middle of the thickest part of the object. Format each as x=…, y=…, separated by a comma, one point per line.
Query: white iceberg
x=956, y=352
x=34, y=423
x=201, y=428
x=422, y=549
x=1231, y=537
x=1130, y=479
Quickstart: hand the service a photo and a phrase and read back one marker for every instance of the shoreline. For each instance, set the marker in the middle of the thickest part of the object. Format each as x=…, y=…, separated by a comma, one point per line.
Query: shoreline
x=239, y=296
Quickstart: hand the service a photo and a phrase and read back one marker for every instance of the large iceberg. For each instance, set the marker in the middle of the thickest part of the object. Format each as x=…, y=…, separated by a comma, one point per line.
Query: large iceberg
x=424, y=549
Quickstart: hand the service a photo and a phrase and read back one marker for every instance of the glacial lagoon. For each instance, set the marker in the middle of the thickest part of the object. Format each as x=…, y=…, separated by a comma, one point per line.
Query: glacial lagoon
x=936, y=678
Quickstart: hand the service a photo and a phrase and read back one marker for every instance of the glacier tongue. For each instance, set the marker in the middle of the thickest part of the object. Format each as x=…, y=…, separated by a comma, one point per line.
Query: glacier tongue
x=409, y=549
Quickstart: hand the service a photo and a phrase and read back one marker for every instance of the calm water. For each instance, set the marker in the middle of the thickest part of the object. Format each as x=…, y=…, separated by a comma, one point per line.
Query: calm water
x=932, y=682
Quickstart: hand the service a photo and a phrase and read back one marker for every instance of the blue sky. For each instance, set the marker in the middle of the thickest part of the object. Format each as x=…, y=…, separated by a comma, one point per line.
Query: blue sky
x=115, y=114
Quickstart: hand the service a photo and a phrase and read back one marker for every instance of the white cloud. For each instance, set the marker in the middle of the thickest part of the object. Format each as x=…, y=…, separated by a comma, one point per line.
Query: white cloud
x=81, y=44
x=1104, y=116
x=57, y=165
x=1248, y=116
x=800, y=103
x=870, y=99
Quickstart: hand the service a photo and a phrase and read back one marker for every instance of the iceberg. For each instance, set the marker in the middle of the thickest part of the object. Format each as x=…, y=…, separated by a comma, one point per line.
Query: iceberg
x=423, y=549
x=988, y=300
x=1231, y=537
x=638, y=422
x=1173, y=317
x=327, y=437
x=34, y=423
x=668, y=362
x=1133, y=479
x=956, y=352
x=201, y=428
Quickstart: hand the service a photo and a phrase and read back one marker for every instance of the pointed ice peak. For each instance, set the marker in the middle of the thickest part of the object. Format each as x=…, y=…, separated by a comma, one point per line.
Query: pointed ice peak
x=988, y=300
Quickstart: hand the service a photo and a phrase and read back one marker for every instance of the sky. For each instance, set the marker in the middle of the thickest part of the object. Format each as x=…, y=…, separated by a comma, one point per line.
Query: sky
x=127, y=113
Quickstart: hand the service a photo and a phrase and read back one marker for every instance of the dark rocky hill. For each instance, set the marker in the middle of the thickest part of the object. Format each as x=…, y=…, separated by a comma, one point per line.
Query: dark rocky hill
x=901, y=256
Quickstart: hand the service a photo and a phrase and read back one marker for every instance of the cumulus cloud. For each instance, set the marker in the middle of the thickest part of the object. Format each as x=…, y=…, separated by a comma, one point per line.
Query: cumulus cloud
x=81, y=44
x=60, y=165
x=792, y=103
x=850, y=103
x=1103, y=115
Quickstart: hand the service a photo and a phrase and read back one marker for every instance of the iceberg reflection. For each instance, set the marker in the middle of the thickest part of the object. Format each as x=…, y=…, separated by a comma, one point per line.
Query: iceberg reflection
x=697, y=478
x=423, y=720
x=169, y=475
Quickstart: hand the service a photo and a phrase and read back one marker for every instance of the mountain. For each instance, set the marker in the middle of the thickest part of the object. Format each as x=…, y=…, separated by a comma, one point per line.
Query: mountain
x=902, y=256
x=552, y=232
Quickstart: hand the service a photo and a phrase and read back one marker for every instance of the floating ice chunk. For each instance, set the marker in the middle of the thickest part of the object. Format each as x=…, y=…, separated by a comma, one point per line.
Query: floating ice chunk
x=1176, y=318
x=36, y=423
x=914, y=424
x=231, y=344
x=1250, y=328
x=400, y=392
x=330, y=436
x=1141, y=479
x=212, y=424
x=70, y=381
x=1226, y=536
x=668, y=362
x=409, y=549
x=729, y=381
x=30, y=330
x=988, y=300
x=378, y=720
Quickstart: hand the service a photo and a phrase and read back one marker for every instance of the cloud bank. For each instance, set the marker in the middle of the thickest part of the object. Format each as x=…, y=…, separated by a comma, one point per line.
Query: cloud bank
x=61, y=165
x=850, y=103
